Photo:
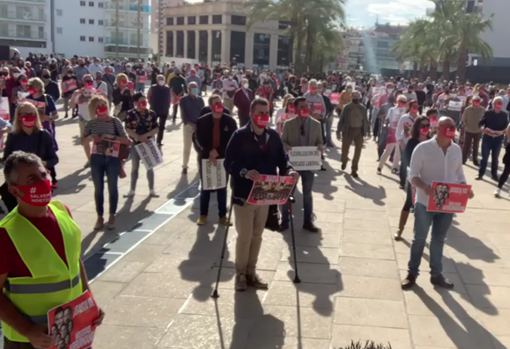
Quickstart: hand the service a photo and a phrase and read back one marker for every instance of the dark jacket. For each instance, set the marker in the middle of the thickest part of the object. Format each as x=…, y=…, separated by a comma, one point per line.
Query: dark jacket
x=123, y=97
x=40, y=143
x=242, y=102
x=53, y=90
x=204, y=134
x=207, y=109
x=245, y=152
x=160, y=99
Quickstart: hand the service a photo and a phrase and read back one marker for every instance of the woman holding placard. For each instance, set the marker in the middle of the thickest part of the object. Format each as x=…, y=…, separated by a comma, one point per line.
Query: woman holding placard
x=107, y=134
x=213, y=132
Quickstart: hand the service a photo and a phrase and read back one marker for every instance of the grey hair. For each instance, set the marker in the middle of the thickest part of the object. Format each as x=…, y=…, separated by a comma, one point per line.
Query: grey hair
x=12, y=162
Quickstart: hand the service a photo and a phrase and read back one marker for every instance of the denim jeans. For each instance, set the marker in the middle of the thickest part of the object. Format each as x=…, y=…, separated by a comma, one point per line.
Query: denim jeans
x=403, y=167
x=135, y=165
x=327, y=125
x=490, y=145
x=140, y=86
x=307, y=178
x=99, y=166
x=205, y=196
x=440, y=223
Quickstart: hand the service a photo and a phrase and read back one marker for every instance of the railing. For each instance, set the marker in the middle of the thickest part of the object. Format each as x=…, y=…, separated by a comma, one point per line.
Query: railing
x=133, y=25
x=27, y=16
x=18, y=35
x=126, y=42
x=122, y=7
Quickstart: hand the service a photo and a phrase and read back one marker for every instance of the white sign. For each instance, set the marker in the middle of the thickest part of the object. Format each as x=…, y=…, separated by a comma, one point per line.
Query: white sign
x=213, y=176
x=454, y=106
x=305, y=158
x=4, y=108
x=149, y=154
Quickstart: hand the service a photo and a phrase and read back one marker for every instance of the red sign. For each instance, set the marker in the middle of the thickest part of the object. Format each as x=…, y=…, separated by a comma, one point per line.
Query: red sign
x=72, y=323
x=69, y=85
x=317, y=107
x=433, y=121
x=142, y=78
x=271, y=190
x=335, y=98
x=448, y=197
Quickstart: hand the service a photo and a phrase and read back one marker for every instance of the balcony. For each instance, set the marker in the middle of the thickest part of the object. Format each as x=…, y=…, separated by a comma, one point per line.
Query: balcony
x=131, y=8
x=126, y=25
x=125, y=42
x=26, y=16
x=111, y=51
x=12, y=34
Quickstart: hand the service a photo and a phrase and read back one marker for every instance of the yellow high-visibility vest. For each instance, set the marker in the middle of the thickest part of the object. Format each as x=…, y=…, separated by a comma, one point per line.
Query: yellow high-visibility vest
x=52, y=283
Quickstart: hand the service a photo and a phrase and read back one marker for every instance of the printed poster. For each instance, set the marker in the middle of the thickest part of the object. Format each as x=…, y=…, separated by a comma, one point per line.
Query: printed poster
x=271, y=190
x=69, y=85
x=141, y=78
x=106, y=147
x=22, y=96
x=433, y=121
x=407, y=129
x=72, y=323
x=335, y=98
x=454, y=105
x=448, y=197
x=4, y=108
x=305, y=158
x=149, y=153
x=213, y=176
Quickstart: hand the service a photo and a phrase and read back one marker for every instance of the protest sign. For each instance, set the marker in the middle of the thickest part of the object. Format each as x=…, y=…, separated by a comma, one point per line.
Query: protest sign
x=316, y=107
x=433, y=121
x=69, y=85
x=4, y=108
x=22, y=96
x=448, y=197
x=72, y=323
x=149, y=153
x=335, y=98
x=271, y=190
x=141, y=78
x=305, y=158
x=106, y=147
x=213, y=176
x=454, y=105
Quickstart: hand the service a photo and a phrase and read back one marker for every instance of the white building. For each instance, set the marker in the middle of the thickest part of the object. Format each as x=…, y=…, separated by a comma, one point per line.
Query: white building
x=26, y=25
x=497, y=38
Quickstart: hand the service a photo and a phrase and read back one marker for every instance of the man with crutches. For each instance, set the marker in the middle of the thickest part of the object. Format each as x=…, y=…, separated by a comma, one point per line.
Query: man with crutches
x=253, y=150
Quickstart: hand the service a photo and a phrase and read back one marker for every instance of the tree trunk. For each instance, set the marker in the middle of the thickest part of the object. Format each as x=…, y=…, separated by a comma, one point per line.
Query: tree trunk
x=461, y=63
x=446, y=68
x=433, y=70
x=309, y=47
x=414, y=74
x=423, y=72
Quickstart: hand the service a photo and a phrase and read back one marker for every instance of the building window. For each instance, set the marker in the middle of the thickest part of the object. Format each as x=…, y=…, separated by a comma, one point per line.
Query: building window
x=100, y=5
x=59, y=12
x=59, y=30
x=192, y=20
x=82, y=38
x=82, y=20
x=91, y=39
x=216, y=47
x=261, y=49
x=202, y=45
x=179, y=52
x=204, y=19
x=238, y=20
x=169, y=43
x=237, y=44
x=99, y=39
x=169, y=21
x=191, y=44
x=91, y=21
x=180, y=20
x=217, y=19
x=100, y=22
x=284, y=57
x=91, y=3
x=82, y=3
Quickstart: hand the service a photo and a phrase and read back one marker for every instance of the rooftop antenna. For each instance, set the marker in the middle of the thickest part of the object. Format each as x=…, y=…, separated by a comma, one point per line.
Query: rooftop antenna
x=377, y=20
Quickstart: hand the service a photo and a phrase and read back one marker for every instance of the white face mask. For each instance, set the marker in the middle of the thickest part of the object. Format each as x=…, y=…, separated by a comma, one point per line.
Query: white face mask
x=390, y=90
x=16, y=75
x=161, y=82
x=246, y=85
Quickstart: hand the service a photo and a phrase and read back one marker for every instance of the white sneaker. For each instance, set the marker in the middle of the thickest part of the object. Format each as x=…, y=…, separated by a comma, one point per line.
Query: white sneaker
x=153, y=194
x=497, y=193
x=130, y=194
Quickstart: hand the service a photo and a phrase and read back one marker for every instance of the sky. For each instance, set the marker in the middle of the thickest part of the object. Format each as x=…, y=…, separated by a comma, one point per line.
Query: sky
x=363, y=13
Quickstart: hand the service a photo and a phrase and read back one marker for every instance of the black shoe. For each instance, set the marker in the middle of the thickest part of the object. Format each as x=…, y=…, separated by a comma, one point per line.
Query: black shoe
x=322, y=157
x=323, y=168
x=354, y=174
x=66, y=116
x=283, y=227
x=408, y=282
x=479, y=178
x=477, y=164
x=309, y=226
x=441, y=281
x=344, y=166
x=184, y=171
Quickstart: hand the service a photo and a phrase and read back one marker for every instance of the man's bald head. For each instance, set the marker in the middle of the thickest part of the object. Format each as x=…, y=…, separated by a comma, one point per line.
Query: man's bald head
x=356, y=95
x=445, y=121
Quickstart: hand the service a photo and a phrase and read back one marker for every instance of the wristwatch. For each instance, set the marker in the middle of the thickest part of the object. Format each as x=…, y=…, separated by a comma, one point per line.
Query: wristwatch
x=243, y=172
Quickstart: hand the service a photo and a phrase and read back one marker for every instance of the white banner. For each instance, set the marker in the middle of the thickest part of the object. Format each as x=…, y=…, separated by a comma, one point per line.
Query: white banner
x=305, y=158
x=213, y=176
x=454, y=106
x=149, y=154
x=4, y=108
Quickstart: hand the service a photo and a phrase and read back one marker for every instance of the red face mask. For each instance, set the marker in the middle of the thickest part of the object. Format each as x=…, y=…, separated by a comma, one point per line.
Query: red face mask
x=497, y=106
x=424, y=130
x=313, y=89
x=32, y=90
x=401, y=104
x=142, y=105
x=218, y=77
x=88, y=84
x=101, y=110
x=447, y=131
x=37, y=194
x=217, y=108
x=303, y=113
x=261, y=120
x=28, y=120
x=23, y=82
x=476, y=103
x=291, y=109
x=122, y=83
x=414, y=109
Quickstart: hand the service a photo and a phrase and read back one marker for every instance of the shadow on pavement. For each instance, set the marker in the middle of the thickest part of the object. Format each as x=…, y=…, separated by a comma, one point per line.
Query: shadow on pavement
x=471, y=247
x=365, y=190
x=70, y=184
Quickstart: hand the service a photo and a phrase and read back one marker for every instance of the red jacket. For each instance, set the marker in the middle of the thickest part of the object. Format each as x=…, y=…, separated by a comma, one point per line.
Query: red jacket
x=243, y=103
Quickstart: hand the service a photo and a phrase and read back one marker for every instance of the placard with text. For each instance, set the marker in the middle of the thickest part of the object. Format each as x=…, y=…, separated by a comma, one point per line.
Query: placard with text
x=305, y=158
x=448, y=197
x=271, y=190
x=213, y=176
x=149, y=153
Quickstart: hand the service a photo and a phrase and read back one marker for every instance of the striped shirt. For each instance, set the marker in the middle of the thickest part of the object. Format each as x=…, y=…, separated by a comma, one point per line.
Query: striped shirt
x=112, y=126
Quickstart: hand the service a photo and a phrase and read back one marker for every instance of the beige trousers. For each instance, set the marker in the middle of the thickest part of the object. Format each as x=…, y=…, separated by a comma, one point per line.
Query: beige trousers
x=250, y=221
x=188, y=140
x=229, y=104
x=387, y=153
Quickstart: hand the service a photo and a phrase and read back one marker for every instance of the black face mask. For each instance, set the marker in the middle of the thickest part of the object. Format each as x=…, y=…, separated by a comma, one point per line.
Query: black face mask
x=82, y=65
x=46, y=76
x=4, y=74
x=20, y=65
x=355, y=101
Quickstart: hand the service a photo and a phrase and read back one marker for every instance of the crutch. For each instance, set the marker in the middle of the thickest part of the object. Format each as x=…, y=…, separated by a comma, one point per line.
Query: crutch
x=215, y=292
x=291, y=201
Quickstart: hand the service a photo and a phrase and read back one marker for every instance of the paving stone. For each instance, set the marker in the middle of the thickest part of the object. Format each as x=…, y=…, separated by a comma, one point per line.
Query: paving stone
x=366, y=225
x=484, y=296
x=370, y=312
x=114, y=337
x=370, y=287
x=349, y=249
x=105, y=291
x=287, y=343
x=367, y=237
x=158, y=285
x=313, y=273
x=343, y=335
x=312, y=295
x=124, y=271
x=368, y=267
x=319, y=255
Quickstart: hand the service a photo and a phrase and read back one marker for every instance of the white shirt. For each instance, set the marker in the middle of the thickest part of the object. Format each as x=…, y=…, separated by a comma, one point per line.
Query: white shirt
x=405, y=124
x=394, y=115
x=430, y=163
x=94, y=68
x=102, y=87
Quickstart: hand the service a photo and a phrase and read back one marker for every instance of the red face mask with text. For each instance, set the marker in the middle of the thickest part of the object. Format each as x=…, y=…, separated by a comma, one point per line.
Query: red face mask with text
x=313, y=89
x=32, y=90
x=291, y=109
x=476, y=103
x=447, y=131
x=303, y=113
x=142, y=105
x=88, y=84
x=424, y=130
x=101, y=110
x=261, y=120
x=28, y=120
x=37, y=194
x=122, y=83
x=413, y=109
x=217, y=108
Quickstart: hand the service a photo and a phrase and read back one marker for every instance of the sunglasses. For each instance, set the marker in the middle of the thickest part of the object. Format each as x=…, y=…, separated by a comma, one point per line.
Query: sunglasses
x=424, y=125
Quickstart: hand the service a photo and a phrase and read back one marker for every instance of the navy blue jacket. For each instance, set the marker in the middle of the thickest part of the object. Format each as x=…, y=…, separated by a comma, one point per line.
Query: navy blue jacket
x=244, y=152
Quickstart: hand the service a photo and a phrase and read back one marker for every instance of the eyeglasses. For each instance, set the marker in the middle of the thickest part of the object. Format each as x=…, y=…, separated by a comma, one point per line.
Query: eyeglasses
x=424, y=125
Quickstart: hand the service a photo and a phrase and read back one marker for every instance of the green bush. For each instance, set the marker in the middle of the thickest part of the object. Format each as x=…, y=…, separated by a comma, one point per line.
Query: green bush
x=367, y=345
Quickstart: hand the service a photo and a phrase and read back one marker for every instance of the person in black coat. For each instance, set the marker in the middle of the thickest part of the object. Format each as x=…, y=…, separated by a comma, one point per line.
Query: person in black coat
x=213, y=132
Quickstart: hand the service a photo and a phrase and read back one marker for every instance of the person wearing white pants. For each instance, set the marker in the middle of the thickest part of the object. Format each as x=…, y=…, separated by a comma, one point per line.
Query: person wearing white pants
x=392, y=119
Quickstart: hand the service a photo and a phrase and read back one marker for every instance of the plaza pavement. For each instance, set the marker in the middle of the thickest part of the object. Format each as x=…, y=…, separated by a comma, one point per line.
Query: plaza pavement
x=154, y=275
